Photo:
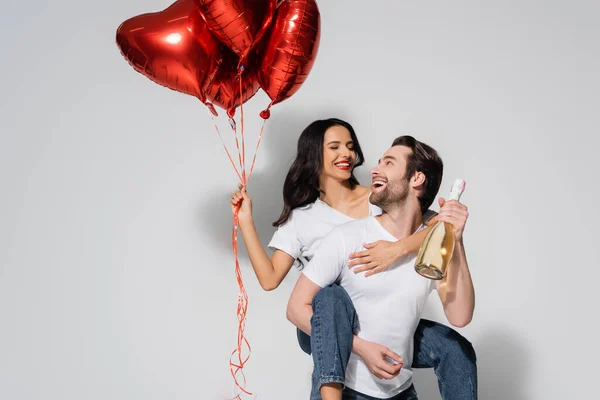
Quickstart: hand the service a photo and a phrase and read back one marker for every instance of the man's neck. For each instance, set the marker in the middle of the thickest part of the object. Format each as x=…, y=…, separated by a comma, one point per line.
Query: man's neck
x=402, y=219
x=333, y=193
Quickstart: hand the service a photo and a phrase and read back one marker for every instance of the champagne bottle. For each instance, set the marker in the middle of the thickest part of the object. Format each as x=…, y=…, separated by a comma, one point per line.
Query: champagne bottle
x=437, y=248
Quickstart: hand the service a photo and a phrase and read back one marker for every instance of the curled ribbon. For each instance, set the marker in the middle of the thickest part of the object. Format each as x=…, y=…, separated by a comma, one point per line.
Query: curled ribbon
x=236, y=361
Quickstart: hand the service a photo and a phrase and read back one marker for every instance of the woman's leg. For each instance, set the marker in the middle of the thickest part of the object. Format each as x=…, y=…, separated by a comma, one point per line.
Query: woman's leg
x=333, y=323
x=451, y=356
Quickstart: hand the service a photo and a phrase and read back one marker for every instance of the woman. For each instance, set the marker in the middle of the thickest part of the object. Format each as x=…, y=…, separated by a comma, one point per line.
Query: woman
x=321, y=192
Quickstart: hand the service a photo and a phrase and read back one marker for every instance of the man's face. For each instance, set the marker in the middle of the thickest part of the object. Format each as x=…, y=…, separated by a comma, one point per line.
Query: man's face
x=389, y=184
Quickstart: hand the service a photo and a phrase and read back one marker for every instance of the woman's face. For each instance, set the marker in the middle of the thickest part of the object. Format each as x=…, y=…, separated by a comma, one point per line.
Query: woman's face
x=338, y=153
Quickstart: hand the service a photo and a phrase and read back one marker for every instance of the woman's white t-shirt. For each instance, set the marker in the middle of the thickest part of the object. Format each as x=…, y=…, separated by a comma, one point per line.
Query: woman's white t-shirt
x=303, y=231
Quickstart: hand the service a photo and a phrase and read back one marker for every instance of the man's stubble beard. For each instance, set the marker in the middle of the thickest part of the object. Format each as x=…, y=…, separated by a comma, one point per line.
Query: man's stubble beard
x=392, y=196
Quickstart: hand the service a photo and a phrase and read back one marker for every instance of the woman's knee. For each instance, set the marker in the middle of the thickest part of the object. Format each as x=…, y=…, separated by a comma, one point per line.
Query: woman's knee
x=333, y=303
x=333, y=295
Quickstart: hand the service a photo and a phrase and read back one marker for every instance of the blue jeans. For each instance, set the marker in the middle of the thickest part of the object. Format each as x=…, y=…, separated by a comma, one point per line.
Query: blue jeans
x=436, y=346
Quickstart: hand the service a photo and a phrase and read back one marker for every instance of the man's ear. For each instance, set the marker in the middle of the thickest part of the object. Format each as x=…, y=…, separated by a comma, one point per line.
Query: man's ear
x=418, y=180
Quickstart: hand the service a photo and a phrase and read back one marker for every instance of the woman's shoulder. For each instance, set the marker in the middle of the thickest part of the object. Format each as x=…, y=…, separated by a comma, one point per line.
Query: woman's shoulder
x=362, y=192
x=298, y=217
x=301, y=211
x=363, y=189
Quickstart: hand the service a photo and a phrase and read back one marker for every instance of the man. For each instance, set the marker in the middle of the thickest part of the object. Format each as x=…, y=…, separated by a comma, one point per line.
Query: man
x=388, y=305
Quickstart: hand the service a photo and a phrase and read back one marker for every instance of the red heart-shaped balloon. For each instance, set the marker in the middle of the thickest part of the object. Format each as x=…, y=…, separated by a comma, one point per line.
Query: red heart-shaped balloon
x=225, y=88
x=238, y=24
x=173, y=48
x=290, y=49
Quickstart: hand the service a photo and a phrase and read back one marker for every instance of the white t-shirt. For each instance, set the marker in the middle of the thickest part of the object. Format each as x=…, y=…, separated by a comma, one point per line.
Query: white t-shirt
x=388, y=304
x=307, y=225
x=303, y=231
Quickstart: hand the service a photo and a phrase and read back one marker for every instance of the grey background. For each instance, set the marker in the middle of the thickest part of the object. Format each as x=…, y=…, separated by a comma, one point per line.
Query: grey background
x=116, y=274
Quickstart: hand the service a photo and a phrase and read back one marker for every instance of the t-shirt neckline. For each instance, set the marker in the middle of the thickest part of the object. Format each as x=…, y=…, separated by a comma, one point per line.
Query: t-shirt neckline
x=387, y=233
x=349, y=218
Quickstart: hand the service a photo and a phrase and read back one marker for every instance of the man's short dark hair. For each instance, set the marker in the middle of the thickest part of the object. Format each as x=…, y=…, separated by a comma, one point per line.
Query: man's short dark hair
x=426, y=160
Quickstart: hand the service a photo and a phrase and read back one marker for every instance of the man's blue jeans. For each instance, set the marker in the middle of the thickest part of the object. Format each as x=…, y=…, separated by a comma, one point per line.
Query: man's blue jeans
x=436, y=346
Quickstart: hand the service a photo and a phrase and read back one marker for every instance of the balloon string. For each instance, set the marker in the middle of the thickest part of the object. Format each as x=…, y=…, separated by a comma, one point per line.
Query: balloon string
x=236, y=361
x=224, y=146
x=237, y=145
x=260, y=135
x=242, y=307
x=236, y=368
x=242, y=118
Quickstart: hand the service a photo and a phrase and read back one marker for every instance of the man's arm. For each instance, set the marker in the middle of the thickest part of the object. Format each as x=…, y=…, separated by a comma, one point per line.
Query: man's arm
x=299, y=312
x=456, y=290
x=323, y=270
x=299, y=308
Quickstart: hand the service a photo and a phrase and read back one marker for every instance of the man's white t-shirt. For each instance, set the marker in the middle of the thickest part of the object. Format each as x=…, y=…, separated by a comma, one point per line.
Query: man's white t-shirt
x=388, y=304
x=306, y=227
